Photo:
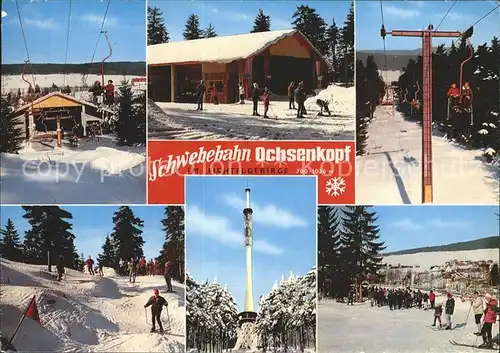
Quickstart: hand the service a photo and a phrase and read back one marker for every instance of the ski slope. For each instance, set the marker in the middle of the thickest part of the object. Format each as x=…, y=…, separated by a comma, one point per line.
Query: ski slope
x=365, y=329
x=235, y=121
x=96, y=172
x=426, y=260
x=86, y=313
x=391, y=173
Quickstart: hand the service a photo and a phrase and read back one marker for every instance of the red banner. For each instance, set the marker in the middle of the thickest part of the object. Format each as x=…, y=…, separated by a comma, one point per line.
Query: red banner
x=331, y=161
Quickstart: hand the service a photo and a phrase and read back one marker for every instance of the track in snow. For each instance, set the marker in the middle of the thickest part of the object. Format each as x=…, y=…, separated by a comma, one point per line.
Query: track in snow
x=173, y=121
x=390, y=172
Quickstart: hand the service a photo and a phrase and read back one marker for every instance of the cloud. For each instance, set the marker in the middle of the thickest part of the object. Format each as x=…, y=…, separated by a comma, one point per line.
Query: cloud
x=221, y=230
x=407, y=224
x=47, y=23
x=270, y=215
x=97, y=19
x=402, y=13
x=4, y=14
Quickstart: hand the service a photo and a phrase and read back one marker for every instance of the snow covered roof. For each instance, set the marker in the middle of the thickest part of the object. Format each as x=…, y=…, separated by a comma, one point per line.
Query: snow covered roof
x=62, y=95
x=223, y=49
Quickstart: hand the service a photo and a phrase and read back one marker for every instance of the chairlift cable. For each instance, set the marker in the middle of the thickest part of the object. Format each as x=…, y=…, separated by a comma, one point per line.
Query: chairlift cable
x=446, y=15
x=24, y=37
x=67, y=41
x=98, y=37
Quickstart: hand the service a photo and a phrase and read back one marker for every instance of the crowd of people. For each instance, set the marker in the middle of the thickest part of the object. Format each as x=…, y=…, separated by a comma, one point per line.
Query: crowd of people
x=296, y=94
x=485, y=308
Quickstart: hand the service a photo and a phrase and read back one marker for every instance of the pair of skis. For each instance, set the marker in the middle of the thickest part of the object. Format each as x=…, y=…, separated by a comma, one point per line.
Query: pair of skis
x=471, y=346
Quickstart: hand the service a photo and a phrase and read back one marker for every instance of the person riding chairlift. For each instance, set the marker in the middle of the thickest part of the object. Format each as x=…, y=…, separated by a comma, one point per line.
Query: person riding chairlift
x=453, y=94
x=96, y=91
x=467, y=96
x=109, y=91
x=415, y=103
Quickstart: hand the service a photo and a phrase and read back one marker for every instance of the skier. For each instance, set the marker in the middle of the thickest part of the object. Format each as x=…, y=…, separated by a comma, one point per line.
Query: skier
x=200, y=93
x=450, y=309
x=350, y=300
x=241, y=91
x=100, y=271
x=168, y=275
x=432, y=298
x=291, y=101
x=478, y=308
x=425, y=297
x=438, y=311
x=142, y=266
x=90, y=265
x=131, y=270
x=151, y=267
x=300, y=99
x=265, y=98
x=60, y=268
x=109, y=90
x=157, y=303
x=215, y=94
x=490, y=317
x=255, y=98
x=467, y=96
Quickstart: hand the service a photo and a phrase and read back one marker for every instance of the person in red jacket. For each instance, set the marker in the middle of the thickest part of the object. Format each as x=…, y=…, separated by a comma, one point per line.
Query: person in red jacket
x=453, y=94
x=265, y=98
x=142, y=266
x=432, y=299
x=490, y=317
x=109, y=92
x=215, y=94
x=90, y=265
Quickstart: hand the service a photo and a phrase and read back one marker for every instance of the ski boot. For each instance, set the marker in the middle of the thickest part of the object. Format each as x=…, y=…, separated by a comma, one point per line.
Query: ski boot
x=161, y=330
x=152, y=330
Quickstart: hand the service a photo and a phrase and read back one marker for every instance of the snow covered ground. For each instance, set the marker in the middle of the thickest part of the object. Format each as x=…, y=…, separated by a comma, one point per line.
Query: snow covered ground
x=93, y=173
x=439, y=258
x=88, y=313
x=365, y=329
x=390, y=173
x=235, y=121
x=11, y=83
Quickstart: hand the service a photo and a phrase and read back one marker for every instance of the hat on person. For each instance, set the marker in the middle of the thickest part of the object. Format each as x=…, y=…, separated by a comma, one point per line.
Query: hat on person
x=450, y=295
x=487, y=296
x=156, y=291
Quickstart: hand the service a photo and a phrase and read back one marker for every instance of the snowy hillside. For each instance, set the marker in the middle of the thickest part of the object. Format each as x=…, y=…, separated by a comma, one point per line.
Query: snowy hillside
x=362, y=328
x=86, y=313
x=235, y=121
x=94, y=173
x=391, y=173
x=428, y=259
x=11, y=83
x=389, y=76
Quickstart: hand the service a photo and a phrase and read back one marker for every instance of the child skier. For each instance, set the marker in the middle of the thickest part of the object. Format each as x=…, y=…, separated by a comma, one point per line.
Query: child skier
x=157, y=303
x=438, y=311
x=490, y=317
x=241, y=91
x=265, y=98
x=131, y=270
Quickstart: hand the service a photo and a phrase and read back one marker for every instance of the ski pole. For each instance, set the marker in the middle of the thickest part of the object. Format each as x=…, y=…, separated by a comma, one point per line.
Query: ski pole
x=146, y=315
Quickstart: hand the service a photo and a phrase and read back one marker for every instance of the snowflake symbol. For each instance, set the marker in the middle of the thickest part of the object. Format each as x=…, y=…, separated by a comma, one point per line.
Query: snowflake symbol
x=335, y=186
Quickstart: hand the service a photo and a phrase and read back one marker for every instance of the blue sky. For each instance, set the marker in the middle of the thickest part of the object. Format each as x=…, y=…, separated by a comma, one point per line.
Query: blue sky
x=46, y=24
x=91, y=224
x=236, y=17
x=284, y=219
x=417, y=15
x=407, y=227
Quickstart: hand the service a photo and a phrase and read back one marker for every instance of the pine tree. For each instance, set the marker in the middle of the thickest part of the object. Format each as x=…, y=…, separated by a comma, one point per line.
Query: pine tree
x=210, y=31
x=360, y=250
x=10, y=244
x=107, y=258
x=174, y=246
x=313, y=26
x=333, y=41
x=262, y=23
x=11, y=134
x=192, y=29
x=346, y=67
x=131, y=124
x=157, y=31
x=328, y=246
x=126, y=236
x=50, y=232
